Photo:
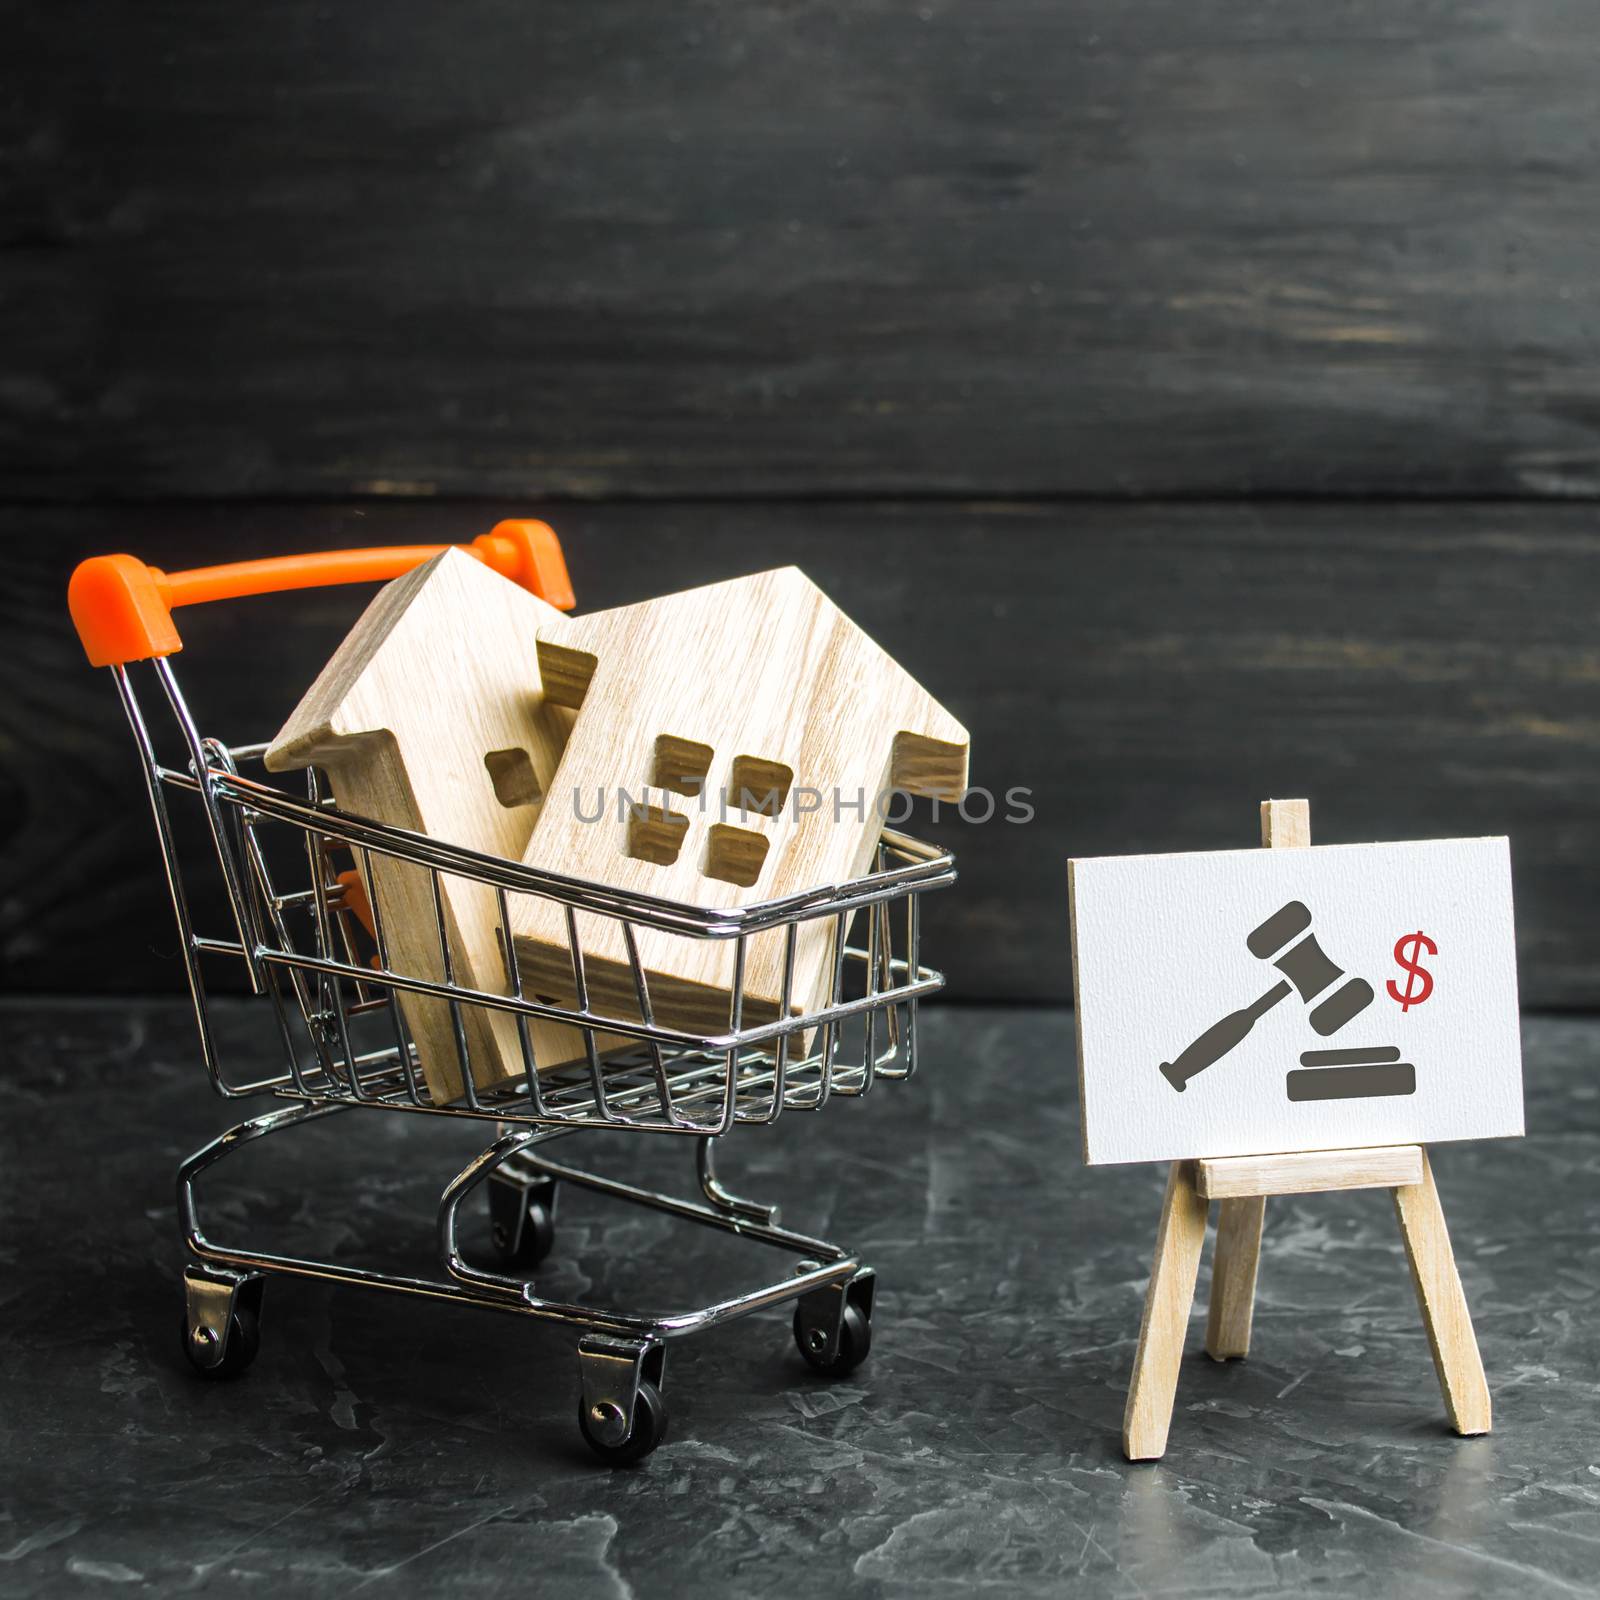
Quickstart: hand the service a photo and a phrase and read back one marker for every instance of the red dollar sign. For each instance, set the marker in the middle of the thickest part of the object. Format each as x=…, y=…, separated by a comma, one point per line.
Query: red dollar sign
x=1415, y=943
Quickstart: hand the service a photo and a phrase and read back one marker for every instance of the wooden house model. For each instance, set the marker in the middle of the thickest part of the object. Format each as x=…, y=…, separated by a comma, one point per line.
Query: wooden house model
x=432, y=716
x=731, y=744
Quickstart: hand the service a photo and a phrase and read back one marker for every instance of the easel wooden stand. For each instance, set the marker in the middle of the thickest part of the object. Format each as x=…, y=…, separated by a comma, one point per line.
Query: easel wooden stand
x=1241, y=1184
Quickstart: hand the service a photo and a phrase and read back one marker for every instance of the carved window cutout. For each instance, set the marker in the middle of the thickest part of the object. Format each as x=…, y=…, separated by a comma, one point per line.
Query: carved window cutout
x=565, y=673
x=758, y=785
x=655, y=834
x=735, y=855
x=681, y=765
x=515, y=782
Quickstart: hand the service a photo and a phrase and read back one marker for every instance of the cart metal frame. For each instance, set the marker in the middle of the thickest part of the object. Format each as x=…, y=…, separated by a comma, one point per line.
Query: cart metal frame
x=327, y=978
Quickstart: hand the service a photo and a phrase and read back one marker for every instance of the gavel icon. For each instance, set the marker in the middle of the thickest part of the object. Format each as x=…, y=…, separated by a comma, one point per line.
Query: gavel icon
x=1304, y=966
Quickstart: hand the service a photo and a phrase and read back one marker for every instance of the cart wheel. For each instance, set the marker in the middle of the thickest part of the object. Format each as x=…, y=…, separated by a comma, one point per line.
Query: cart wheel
x=532, y=1243
x=244, y=1344
x=855, y=1342
x=649, y=1428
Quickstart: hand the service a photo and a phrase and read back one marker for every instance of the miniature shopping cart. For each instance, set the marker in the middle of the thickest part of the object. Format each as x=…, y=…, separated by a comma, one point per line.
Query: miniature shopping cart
x=314, y=950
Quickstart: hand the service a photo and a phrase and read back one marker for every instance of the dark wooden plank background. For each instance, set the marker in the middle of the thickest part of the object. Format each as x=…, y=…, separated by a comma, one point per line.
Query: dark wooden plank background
x=1149, y=672
x=954, y=304
x=863, y=246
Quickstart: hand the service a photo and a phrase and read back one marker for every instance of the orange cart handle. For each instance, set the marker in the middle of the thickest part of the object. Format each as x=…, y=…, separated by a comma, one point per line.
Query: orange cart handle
x=123, y=609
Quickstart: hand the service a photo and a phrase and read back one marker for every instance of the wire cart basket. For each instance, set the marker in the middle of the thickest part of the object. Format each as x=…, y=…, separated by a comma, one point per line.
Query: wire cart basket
x=314, y=950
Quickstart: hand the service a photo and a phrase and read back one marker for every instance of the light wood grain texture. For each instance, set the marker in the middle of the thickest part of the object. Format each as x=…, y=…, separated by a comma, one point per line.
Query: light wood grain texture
x=431, y=716
x=1235, y=1261
x=1181, y=1233
x=1309, y=1171
x=1443, y=1303
x=1286, y=824
x=733, y=744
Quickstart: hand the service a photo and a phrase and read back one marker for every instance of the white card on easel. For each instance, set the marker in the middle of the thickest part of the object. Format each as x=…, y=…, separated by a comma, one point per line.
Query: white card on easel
x=1247, y=1002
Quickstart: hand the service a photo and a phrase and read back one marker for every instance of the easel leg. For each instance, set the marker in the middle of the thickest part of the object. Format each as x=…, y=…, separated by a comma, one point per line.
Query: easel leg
x=1443, y=1304
x=1154, y=1383
x=1233, y=1277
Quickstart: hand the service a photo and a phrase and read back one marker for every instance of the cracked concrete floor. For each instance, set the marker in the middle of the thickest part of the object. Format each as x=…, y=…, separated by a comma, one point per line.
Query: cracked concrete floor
x=387, y=1444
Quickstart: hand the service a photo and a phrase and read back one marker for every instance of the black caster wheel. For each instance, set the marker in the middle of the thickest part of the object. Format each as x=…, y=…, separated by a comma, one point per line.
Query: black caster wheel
x=855, y=1342
x=244, y=1344
x=649, y=1429
x=531, y=1244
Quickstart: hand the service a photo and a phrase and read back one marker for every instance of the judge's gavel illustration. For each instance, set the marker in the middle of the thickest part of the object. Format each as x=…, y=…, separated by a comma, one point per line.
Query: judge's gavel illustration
x=1304, y=966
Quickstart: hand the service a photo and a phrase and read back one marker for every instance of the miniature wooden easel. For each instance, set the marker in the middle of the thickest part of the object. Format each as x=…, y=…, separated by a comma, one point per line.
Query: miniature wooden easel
x=1242, y=1184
